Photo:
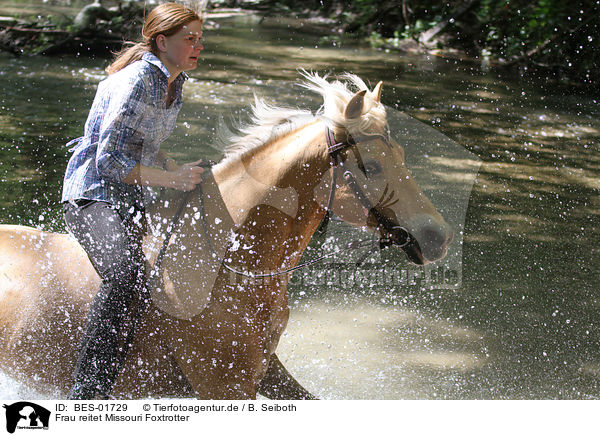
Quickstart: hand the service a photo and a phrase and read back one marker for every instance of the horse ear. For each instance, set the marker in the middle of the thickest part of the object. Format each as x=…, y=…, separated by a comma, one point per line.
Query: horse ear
x=355, y=105
x=377, y=92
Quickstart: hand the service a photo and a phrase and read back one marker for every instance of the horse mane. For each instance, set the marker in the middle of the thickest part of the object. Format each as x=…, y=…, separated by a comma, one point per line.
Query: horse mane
x=336, y=96
x=269, y=122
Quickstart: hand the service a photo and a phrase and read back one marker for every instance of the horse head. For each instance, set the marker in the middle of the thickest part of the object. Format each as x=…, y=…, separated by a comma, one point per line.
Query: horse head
x=281, y=166
x=377, y=190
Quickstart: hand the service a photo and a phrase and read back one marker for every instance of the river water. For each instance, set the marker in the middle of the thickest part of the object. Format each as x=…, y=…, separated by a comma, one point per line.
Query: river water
x=523, y=324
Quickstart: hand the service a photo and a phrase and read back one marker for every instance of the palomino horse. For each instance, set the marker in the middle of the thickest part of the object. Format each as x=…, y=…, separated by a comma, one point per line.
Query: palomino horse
x=273, y=188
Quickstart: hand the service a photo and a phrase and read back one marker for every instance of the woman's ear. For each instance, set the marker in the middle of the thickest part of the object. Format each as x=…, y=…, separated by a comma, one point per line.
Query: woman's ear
x=161, y=42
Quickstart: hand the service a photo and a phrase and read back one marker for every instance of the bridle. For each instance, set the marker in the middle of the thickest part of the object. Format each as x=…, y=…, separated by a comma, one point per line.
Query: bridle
x=398, y=235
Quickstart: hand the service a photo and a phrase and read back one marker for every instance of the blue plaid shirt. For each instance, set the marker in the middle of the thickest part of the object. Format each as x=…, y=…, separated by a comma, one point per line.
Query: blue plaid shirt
x=126, y=124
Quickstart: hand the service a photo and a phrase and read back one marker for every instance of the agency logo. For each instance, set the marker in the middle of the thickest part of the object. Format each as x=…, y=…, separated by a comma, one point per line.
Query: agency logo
x=26, y=415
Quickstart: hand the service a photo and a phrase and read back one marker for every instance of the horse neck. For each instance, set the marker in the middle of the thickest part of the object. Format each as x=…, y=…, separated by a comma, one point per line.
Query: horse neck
x=269, y=193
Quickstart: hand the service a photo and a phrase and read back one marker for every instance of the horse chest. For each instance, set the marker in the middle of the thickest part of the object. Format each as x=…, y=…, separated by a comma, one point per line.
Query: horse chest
x=263, y=315
x=265, y=306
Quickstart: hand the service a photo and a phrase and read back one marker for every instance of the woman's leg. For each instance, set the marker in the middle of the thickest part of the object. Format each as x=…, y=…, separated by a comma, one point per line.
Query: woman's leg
x=114, y=247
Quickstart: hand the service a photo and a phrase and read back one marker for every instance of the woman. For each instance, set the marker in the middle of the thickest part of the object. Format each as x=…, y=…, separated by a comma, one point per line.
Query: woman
x=134, y=110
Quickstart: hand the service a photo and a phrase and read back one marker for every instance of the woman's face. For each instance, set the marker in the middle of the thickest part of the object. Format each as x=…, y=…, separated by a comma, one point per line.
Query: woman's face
x=180, y=52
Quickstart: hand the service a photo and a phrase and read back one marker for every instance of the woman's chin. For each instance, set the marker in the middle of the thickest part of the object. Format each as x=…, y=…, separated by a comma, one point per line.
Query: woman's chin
x=192, y=63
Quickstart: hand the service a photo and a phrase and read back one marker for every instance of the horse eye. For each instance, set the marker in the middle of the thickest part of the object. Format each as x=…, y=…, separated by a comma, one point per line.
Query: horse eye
x=373, y=168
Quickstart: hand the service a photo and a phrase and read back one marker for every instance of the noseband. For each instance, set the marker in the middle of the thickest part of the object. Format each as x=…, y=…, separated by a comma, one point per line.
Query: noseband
x=398, y=235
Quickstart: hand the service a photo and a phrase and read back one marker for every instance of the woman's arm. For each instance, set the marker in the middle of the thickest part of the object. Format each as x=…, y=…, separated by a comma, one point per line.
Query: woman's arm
x=121, y=132
x=122, y=136
x=183, y=178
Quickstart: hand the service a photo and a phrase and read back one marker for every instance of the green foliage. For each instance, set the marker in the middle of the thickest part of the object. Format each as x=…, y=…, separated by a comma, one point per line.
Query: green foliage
x=558, y=34
x=563, y=36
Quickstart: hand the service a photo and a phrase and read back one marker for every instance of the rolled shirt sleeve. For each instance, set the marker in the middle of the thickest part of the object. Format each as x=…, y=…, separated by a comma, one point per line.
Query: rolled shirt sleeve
x=121, y=134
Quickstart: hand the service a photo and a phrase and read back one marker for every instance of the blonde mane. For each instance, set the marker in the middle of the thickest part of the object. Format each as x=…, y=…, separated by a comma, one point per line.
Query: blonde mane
x=336, y=96
x=269, y=123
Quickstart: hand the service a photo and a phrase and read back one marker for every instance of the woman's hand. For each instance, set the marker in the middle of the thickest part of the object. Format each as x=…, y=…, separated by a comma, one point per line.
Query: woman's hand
x=187, y=176
x=170, y=165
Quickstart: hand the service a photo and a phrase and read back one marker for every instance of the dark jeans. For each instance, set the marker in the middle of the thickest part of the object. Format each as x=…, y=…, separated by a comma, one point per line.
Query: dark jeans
x=114, y=245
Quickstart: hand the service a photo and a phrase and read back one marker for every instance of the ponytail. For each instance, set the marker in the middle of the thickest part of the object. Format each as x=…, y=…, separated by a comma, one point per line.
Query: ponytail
x=128, y=55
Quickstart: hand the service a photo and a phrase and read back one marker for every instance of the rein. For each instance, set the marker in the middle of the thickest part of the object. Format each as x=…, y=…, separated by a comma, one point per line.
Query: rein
x=351, y=246
x=399, y=235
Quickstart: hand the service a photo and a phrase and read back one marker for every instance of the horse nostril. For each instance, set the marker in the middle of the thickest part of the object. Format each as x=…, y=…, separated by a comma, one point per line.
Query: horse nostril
x=435, y=236
x=431, y=237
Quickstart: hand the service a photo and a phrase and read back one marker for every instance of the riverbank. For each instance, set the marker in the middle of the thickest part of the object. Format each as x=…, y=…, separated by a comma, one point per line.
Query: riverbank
x=56, y=33
x=94, y=31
